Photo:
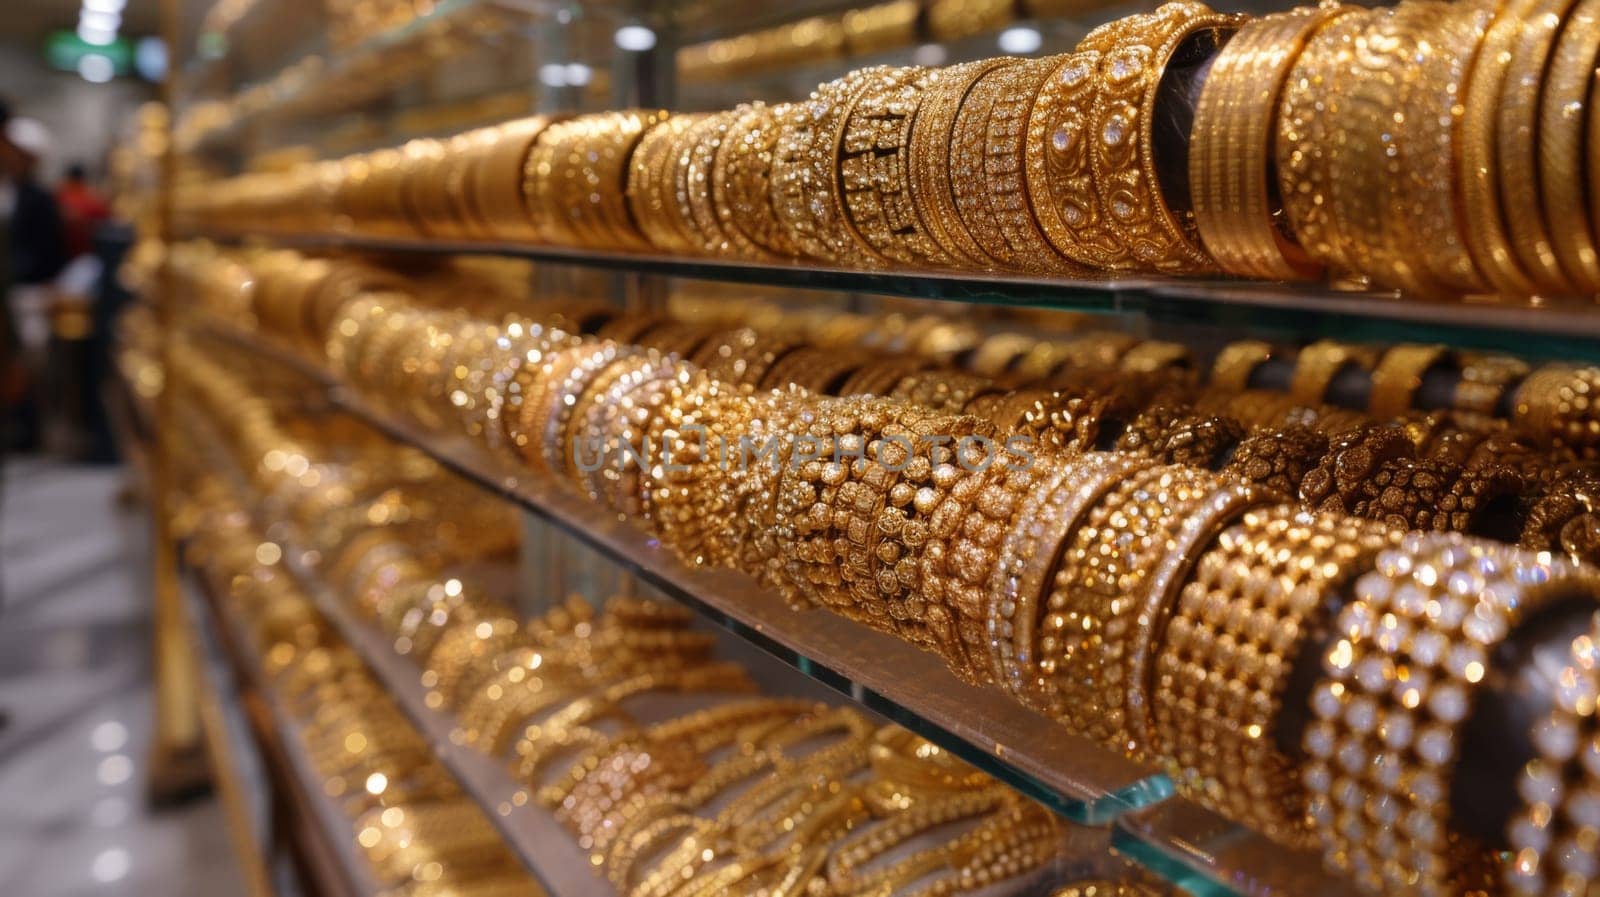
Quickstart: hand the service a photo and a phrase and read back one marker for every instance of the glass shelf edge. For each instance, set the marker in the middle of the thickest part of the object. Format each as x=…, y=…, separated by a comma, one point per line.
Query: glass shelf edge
x=1567, y=331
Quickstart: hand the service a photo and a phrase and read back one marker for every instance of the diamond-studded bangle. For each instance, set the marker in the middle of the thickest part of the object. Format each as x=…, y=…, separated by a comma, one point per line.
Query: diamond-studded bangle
x=1224, y=663
x=1551, y=837
x=931, y=174
x=1416, y=639
x=875, y=169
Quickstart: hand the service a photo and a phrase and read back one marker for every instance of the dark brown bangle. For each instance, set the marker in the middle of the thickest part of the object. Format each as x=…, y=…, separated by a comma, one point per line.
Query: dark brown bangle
x=1336, y=483
x=1277, y=459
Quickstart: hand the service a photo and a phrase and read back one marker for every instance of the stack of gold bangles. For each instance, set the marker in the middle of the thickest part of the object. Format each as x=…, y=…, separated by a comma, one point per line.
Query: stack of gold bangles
x=1160, y=609
x=1435, y=148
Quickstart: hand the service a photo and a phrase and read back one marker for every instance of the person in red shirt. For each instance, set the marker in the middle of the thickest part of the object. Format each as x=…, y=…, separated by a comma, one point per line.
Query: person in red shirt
x=82, y=210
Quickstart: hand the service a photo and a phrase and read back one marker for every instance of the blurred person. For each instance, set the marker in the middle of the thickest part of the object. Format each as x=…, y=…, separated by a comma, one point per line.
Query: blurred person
x=36, y=253
x=82, y=210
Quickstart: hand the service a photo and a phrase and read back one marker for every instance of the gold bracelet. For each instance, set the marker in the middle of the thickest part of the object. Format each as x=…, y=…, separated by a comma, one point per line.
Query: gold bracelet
x=1560, y=785
x=1238, y=626
x=495, y=178
x=1477, y=172
x=1565, y=107
x=741, y=191
x=1060, y=178
x=1236, y=362
x=805, y=170
x=1231, y=145
x=651, y=189
x=1317, y=366
x=1398, y=375
x=1004, y=169
x=931, y=173
x=1396, y=692
x=1518, y=144
x=1430, y=218
x=697, y=179
x=1303, y=137
x=875, y=168
x=969, y=148
x=1123, y=155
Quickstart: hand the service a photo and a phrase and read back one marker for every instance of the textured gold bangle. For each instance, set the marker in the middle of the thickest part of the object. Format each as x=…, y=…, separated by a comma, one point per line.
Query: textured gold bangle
x=805, y=170
x=1565, y=108
x=930, y=177
x=1231, y=148
x=1398, y=375
x=1549, y=837
x=495, y=179
x=1415, y=641
x=969, y=149
x=1123, y=151
x=1319, y=363
x=1519, y=140
x=1368, y=146
x=875, y=171
x=1004, y=170
x=697, y=177
x=1229, y=652
x=1431, y=218
x=1303, y=137
x=651, y=190
x=1236, y=362
x=1060, y=177
x=740, y=191
x=1478, y=170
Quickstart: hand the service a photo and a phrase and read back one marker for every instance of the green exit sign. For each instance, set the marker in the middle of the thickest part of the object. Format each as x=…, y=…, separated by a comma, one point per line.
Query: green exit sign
x=65, y=50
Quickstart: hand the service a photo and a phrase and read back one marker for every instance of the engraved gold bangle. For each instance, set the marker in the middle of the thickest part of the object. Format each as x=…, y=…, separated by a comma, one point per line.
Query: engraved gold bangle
x=741, y=191
x=1479, y=171
x=875, y=170
x=930, y=177
x=1123, y=152
x=1566, y=106
x=1231, y=148
x=1056, y=166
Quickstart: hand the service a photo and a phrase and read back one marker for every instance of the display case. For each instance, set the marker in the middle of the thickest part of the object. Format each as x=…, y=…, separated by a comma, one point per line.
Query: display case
x=545, y=458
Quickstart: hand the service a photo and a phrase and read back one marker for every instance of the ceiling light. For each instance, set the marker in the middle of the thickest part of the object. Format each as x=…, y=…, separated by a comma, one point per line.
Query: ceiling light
x=1021, y=39
x=553, y=74
x=97, y=68
x=99, y=20
x=636, y=38
x=98, y=37
x=578, y=74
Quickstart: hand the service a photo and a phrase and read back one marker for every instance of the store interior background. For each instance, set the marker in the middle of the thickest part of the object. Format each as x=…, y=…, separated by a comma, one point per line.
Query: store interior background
x=74, y=608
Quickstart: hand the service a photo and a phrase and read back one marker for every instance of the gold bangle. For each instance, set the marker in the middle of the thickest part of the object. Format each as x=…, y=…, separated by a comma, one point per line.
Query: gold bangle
x=1478, y=171
x=1319, y=363
x=1004, y=174
x=1303, y=137
x=1231, y=144
x=494, y=179
x=1565, y=106
x=930, y=177
x=1236, y=362
x=651, y=191
x=1430, y=218
x=805, y=170
x=969, y=148
x=1519, y=142
x=1060, y=178
x=1414, y=643
x=1398, y=375
x=875, y=168
x=741, y=189
x=697, y=176
x=1559, y=785
x=1123, y=154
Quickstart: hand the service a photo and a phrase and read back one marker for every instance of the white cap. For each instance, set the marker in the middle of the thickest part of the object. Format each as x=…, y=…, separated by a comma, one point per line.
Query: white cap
x=29, y=135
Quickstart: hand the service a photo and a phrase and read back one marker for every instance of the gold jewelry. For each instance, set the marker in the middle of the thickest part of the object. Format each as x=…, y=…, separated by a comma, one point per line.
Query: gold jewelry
x=741, y=190
x=875, y=167
x=1236, y=362
x=1398, y=375
x=1231, y=145
x=1134, y=56
x=1319, y=364
x=931, y=161
x=1566, y=107
x=1414, y=643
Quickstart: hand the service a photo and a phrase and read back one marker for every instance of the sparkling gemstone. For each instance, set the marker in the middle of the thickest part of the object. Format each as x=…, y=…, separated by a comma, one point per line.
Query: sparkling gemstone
x=1428, y=646
x=1556, y=738
x=1584, y=808
x=1396, y=731
x=1426, y=788
x=1373, y=587
x=1434, y=745
x=1074, y=75
x=1324, y=703
x=1448, y=702
x=1063, y=139
x=1362, y=714
x=1421, y=824
x=1319, y=740
x=1124, y=68
x=1540, y=784
x=1410, y=600
x=1524, y=833
x=1372, y=673
x=1121, y=208
x=1115, y=130
x=1352, y=757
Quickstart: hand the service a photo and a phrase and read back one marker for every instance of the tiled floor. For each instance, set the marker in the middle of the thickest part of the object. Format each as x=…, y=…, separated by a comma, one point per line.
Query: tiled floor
x=74, y=686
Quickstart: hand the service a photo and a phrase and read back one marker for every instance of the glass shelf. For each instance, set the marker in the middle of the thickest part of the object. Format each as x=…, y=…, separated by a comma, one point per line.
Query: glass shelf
x=1075, y=778
x=328, y=847
x=1564, y=331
